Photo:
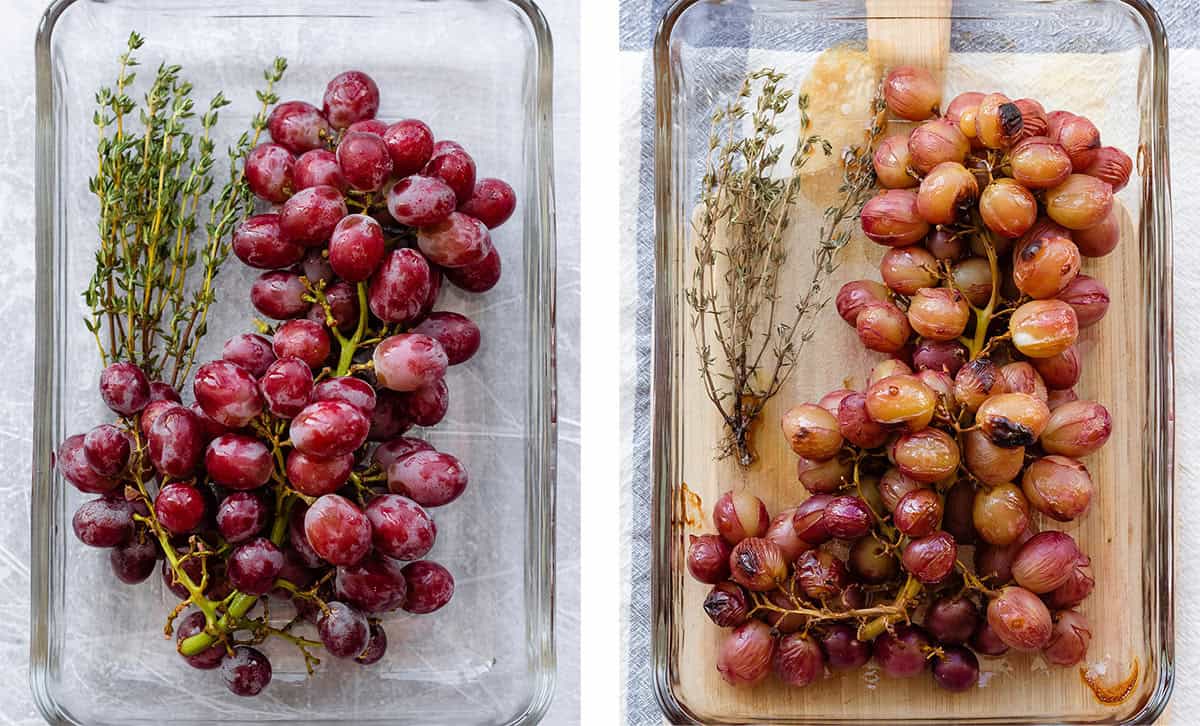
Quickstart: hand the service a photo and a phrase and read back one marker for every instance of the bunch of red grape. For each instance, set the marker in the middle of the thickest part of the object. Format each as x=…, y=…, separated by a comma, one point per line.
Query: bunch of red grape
x=268, y=485
x=966, y=436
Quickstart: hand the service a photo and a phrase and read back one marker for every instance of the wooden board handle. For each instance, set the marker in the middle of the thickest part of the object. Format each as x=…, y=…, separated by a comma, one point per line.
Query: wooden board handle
x=909, y=32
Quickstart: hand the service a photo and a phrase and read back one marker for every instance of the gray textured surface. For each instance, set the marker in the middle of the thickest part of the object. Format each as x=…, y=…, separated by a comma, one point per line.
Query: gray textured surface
x=638, y=24
x=20, y=20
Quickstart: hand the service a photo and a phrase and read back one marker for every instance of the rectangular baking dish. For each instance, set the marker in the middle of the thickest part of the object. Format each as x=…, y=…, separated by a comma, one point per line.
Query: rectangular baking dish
x=478, y=72
x=1103, y=58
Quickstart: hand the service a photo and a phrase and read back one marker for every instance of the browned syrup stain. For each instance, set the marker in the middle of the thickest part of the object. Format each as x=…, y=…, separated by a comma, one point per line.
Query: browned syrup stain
x=1111, y=694
x=691, y=507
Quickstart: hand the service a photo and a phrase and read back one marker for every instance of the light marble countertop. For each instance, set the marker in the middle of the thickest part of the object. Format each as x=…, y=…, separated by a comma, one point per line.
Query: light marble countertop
x=18, y=25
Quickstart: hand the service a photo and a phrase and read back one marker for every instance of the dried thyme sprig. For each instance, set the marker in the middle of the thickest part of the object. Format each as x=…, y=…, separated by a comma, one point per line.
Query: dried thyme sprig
x=153, y=173
x=740, y=249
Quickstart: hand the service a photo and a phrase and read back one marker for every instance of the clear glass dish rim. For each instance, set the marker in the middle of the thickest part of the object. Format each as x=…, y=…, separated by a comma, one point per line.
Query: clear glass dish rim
x=541, y=427
x=1160, y=466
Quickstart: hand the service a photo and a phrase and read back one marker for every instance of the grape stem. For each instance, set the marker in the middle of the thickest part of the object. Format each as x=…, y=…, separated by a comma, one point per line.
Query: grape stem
x=983, y=318
x=899, y=608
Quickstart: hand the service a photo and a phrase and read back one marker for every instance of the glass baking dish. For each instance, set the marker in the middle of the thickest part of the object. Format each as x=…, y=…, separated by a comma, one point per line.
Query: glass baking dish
x=478, y=71
x=1106, y=59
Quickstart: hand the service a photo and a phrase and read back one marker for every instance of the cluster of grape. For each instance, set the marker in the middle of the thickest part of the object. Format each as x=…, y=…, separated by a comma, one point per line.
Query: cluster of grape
x=967, y=431
x=267, y=484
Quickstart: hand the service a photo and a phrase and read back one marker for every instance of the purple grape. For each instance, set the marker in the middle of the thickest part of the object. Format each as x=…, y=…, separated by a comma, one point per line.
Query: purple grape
x=179, y=507
x=430, y=587
x=250, y=351
x=253, y=566
x=377, y=584
x=843, y=649
x=479, y=277
x=356, y=247
x=457, y=241
x=238, y=461
x=246, y=672
x=343, y=630
x=176, y=442
x=408, y=361
x=390, y=417
x=430, y=478
x=241, y=515
x=454, y=166
x=902, y=654
x=302, y=339
x=492, y=202
x=420, y=201
x=134, y=561
x=227, y=393
x=124, y=388
x=427, y=405
x=398, y=448
x=103, y=522
x=72, y=463
x=376, y=646
x=957, y=669
x=364, y=160
x=206, y=659
x=316, y=476
x=401, y=528
x=458, y=334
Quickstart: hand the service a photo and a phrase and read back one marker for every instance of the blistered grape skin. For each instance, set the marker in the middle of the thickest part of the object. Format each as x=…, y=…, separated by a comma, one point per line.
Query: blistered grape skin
x=430, y=587
x=279, y=295
x=250, y=351
x=374, y=585
x=457, y=241
x=430, y=478
x=410, y=144
x=238, y=461
x=329, y=428
x=409, y=361
x=350, y=96
x=420, y=201
x=337, y=530
x=286, y=386
x=71, y=460
x=401, y=528
x=259, y=242
x=400, y=286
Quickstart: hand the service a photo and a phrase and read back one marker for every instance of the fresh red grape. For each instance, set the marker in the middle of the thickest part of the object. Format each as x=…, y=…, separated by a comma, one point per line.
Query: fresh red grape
x=259, y=242
x=253, y=566
x=398, y=448
x=124, y=388
x=316, y=168
x=207, y=659
x=302, y=339
x=246, y=671
x=409, y=361
x=430, y=478
x=901, y=654
x=986, y=642
x=492, y=202
x=103, y=522
x=180, y=507
x=298, y=126
x=364, y=161
x=134, y=561
x=238, y=461
x=401, y=528
x=209, y=429
x=479, y=277
x=410, y=143
x=356, y=247
x=952, y=619
x=390, y=417
x=355, y=391
x=376, y=646
x=163, y=391
x=279, y=295
x=240, y=516
x=454, y=166
x=435, y=289
x=458, y=334
x=369, y=126
x=286, y=386
x=176, y=442
x=399, y=286
x=351, y=96
x=316, y=476
x=337, y=530
x=457, y=241
x=329, y=428
x=268, y=171
x=374, y=585
x=250, y=351
x=420, y=201
x=430, y=587
x=343, y=630
x=72, y=463
x=342, y=299
x=106, y=449
x=309, y=215
x=151, y=412
x=227, y=392
x=427, y=405
x=299, y=540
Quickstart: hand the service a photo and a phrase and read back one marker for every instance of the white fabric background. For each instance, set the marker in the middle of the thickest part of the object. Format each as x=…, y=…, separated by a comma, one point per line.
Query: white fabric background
x=1185, y=163
x=18, y=26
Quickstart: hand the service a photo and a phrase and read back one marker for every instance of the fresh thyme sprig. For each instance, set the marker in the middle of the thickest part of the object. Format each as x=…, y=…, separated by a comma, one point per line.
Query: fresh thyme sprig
x=740, y=247
x=154, y=172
